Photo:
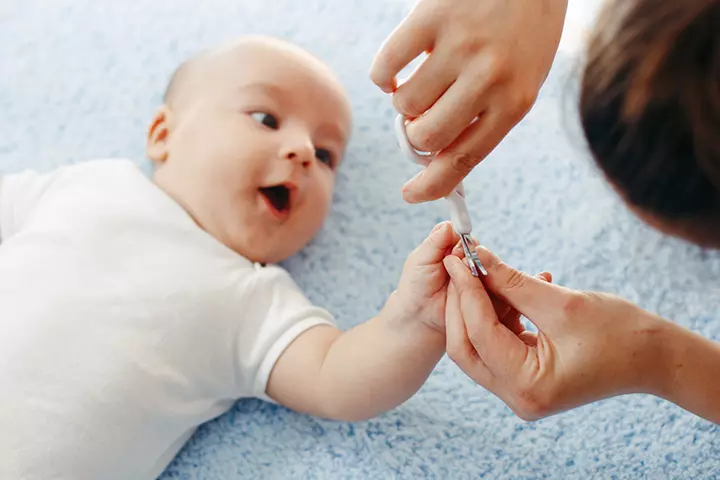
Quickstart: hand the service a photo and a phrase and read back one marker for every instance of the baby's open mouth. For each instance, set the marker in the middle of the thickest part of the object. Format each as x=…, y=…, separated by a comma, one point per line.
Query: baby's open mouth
x=278, y=197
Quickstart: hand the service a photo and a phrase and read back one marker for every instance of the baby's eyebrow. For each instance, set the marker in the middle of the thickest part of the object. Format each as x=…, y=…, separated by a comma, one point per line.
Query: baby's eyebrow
x=331, y=130
x=334, y=132
x=268, y=89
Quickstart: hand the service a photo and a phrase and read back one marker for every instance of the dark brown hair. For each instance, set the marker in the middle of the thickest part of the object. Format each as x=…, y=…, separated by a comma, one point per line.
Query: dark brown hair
x=650, y=109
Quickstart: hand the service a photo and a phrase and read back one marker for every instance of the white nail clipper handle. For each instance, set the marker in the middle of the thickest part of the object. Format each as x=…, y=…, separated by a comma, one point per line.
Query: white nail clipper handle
x=459, y=214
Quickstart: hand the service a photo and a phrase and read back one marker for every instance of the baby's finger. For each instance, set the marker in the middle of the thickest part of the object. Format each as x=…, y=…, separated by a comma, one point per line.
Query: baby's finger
x=458, y=250
x=436, y=246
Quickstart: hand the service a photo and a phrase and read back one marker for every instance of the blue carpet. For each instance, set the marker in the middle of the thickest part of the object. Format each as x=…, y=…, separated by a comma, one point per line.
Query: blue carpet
x=79, y=79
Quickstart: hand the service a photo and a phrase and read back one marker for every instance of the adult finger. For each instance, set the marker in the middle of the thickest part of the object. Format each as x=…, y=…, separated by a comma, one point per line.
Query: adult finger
x=425, y=86
x=442, y=124
x=499, y=348
x=412, y=37
x=529, y=338
x=454, y=163
x=510, y=317
x=536, y=299
x=478, y=139
x=458, y=346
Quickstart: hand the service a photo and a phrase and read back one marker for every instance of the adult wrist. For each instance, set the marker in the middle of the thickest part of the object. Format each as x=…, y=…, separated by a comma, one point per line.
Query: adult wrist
x=662, y=341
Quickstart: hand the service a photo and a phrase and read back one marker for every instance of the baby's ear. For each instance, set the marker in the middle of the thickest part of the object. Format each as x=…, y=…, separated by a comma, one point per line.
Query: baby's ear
x=158, y=133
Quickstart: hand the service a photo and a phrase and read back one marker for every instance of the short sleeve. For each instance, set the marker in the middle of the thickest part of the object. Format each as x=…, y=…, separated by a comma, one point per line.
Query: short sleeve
x=19, y=194
x=277, y=313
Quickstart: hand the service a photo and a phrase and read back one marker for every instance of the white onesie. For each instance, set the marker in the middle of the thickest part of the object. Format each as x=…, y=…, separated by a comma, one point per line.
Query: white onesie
x=123, y=325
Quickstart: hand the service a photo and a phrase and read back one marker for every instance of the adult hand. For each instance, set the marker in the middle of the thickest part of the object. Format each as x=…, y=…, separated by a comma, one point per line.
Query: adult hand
x=487, y=60
x=589, y=346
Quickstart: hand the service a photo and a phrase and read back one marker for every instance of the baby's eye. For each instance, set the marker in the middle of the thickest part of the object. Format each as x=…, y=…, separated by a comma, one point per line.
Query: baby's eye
x=266, y=119
x=325, y=156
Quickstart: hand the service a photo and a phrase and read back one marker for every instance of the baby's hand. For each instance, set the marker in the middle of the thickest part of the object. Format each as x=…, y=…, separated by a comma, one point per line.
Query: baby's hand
x=422, y=290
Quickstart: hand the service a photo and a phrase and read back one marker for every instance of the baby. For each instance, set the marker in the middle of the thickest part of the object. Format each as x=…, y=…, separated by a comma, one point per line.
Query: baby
x=134, y=309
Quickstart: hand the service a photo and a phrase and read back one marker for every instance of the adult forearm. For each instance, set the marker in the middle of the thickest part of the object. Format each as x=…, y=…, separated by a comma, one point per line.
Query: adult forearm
x=689, y=371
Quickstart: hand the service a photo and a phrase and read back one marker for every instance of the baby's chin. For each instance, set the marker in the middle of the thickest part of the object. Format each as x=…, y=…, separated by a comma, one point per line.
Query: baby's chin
x=266, y=256
x=264, y=248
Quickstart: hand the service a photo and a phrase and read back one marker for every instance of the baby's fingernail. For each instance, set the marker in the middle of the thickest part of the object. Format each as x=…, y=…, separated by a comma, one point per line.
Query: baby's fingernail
x=451, y=264
x=487, y=258
x=458, y=268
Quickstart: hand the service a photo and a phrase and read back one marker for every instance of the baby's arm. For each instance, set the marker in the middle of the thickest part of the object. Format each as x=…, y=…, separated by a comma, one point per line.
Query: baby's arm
x=379, y=364
x=358, y=374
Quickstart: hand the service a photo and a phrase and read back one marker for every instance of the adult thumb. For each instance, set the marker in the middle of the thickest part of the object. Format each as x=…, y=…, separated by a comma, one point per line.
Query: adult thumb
x=438, y=179
x=533, y=297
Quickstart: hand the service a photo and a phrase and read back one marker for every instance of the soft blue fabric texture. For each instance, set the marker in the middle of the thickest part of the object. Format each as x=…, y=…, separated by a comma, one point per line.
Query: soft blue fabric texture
x=79, y=79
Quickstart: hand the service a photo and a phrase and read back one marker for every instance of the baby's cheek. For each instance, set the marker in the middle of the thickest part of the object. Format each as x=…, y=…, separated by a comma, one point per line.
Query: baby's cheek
x=315, y=212
x=325, y=191
x=318, y=211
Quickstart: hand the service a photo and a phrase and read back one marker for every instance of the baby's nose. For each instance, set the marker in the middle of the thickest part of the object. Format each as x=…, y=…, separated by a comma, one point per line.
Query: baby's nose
x=294, y=156
x=301, y=153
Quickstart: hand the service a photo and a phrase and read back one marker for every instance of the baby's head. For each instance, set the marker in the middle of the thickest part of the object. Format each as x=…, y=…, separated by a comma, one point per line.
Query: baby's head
x=248, y=142
x=650, y=108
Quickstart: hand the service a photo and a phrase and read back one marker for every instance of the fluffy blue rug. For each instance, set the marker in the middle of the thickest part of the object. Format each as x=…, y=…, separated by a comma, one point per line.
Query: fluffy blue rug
x=79, y=79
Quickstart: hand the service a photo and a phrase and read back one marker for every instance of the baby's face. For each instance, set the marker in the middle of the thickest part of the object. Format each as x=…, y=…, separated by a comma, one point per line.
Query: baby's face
x=252, y=147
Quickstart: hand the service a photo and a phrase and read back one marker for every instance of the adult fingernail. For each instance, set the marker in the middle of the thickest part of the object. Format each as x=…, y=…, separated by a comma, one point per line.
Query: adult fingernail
x=413, y=196
x=487, y=258
x=545, y=276
x=409, y=196
x=409, y=190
